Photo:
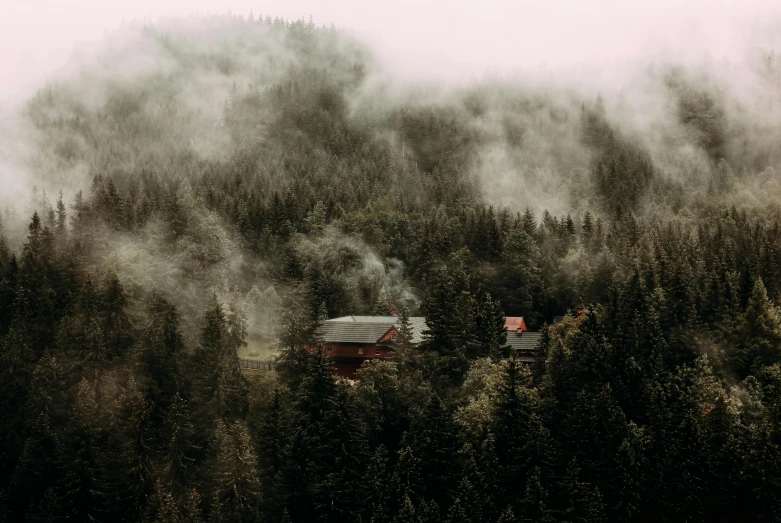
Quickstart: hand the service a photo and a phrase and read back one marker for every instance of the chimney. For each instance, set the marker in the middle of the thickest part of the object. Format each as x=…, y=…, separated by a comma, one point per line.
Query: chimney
x=391, y=309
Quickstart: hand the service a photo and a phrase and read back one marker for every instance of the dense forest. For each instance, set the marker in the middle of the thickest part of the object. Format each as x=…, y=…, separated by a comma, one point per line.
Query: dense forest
x=202, y=181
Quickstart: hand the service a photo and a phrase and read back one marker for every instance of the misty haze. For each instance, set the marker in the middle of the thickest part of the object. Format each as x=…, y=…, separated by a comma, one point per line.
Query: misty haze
x=404, y=263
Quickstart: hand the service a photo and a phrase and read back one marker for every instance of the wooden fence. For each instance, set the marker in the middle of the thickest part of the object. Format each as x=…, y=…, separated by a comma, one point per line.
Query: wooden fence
x=256, y=364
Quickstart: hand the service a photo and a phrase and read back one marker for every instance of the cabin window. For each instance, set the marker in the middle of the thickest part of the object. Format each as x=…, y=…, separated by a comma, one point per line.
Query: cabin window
x=360, y=350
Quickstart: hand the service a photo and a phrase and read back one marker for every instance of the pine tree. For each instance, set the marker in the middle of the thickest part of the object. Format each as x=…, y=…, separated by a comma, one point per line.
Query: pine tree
x=218, y=385
x=129, y=473
x=520, y=277
x=179, y=463
x=403, y=344
x=596, y=429
x=457, y=513
x=34, y=474
x=339, y=492
x=491, y=331
x=406, y=513
x=9, y=271
x=232, y=388
x=309, y=456
x=235, y=475
x=160, y=351
x=587, y=231
x=569, y=226
x=48, y=510
x=450, y=311
x=316, y=218
x=759, y=332
x=164, y=506
x=16, y=372
x=518, y=441
x=83, y=463
x=583, y=503
x=463, y=326
x=528, y=223
x=48, y=391
x=191, y=512
x=432, y=440
x=468, y=505
x=535, y=504
x=428, y=512
x=272, y=434
x=61, y=223
x=508, y=516
x=117, y=328
x=377, y=480
x=298, y=330
x=630, y=466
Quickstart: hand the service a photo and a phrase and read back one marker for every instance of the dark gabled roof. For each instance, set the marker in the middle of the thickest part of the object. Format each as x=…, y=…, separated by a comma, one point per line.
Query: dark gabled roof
x=352, y=332
x=526, y=341
x=417, y=324
x=391, y=320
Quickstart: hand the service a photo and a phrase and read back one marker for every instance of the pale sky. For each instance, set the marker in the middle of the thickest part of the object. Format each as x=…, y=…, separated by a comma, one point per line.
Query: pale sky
x=453, y=40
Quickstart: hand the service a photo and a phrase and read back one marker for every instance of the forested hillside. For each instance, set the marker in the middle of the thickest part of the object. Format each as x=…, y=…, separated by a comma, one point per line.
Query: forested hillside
x=205, y=180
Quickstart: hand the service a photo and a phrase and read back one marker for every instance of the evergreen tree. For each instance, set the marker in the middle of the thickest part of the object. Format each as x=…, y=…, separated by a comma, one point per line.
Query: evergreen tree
x=34, y=475
x=297, y=331
x=518, y=440
x=129, y=476
x=179, y=463
x=16, y=372
x=218, y=385
x=491, y=331
x=117, y=327
x=403, y=344
x=377, y=479
x=83, y=458
x=235, y=475
x=161, y=346
x=432, y=441
x=759, y=332
x=272, y=435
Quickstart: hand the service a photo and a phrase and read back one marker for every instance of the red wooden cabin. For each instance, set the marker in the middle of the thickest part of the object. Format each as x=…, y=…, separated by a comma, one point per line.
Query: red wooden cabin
x=350, y=340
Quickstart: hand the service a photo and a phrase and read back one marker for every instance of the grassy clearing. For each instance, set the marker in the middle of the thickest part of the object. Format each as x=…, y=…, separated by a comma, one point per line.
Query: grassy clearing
x=258, y=350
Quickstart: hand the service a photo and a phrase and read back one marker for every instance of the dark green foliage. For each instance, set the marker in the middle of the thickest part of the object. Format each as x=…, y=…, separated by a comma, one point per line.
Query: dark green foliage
x=759, y=332
x=128, y=472
x=431, y=445
x=159, y=356
x=518, y=442
x=234, y=476
x=219, y=388
x=621, y=171
x=491, y=333
x=178, y=467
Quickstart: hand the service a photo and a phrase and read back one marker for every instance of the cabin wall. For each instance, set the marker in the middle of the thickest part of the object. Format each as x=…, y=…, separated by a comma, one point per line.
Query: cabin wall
x=347, y=357
x=353, y=350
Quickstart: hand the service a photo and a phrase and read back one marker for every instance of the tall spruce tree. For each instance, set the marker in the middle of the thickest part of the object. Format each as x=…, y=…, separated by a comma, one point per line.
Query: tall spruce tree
x=759, y=332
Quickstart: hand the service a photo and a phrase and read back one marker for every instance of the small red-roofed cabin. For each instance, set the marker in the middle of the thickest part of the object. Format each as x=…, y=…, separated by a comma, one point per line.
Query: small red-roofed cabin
x=514, y=323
